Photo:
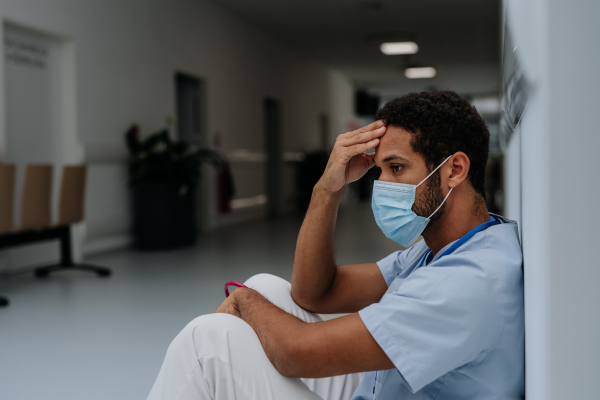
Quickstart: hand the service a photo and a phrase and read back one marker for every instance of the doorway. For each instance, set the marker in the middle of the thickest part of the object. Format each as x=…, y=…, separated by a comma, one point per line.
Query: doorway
x=191, y=109
x=192, y=126
x=41, y=126
x=324, y=131
x=272, y=121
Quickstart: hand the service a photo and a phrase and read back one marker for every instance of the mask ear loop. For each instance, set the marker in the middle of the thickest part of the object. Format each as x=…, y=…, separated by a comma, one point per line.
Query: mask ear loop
x=436, y=210
x=432, y=172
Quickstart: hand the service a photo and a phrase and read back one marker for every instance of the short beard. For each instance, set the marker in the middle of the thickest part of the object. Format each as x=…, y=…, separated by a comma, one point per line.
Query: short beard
x=430, y=199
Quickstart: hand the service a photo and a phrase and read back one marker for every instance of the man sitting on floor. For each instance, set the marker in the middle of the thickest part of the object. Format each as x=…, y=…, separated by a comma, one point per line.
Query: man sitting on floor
x=441, y=320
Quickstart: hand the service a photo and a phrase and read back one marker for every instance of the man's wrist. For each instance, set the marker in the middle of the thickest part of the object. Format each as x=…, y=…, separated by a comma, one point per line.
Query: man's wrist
x=320, y=191
x=240, y=294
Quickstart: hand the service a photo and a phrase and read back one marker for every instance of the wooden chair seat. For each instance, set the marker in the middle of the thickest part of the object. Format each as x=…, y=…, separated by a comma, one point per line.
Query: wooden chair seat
x=36, y=213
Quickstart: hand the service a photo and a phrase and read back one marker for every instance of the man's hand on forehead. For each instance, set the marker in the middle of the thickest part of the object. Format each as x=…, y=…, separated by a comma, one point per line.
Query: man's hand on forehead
x=364, y=130
x=348, y=161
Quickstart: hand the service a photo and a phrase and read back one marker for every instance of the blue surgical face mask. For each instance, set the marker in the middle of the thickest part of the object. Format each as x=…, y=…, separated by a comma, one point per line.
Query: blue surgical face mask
x=392, y=206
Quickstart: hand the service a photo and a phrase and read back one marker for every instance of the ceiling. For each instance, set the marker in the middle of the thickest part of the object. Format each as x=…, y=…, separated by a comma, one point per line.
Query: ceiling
x=460, y=38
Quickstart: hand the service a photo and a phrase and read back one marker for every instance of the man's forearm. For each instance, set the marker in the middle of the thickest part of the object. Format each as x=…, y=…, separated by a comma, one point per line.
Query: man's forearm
x=314, y=260
x=310, y=350
x=277, y=330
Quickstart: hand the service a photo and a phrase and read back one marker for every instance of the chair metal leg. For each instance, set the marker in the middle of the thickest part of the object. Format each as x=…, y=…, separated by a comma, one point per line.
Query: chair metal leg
x=66, y=261
x=4, y=301
x=43, y=272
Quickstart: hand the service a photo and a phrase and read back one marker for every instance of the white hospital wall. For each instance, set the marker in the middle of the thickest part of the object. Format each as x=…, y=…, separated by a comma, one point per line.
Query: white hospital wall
x=40, y=126
x=559, y=48
x=341, y=104
x=127, y=53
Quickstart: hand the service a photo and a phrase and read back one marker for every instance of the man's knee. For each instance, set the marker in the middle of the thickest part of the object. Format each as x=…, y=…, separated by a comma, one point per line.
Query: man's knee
x=214, y=324
x=203, y=334
x=279, y=292
x=270, y=286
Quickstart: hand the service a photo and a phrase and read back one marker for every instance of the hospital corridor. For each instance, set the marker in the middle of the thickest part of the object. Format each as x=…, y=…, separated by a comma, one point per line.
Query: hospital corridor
x=98, y=339
x=299, y=199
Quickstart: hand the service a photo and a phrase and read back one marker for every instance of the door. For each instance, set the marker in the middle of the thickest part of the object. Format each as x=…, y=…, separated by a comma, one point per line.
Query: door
x=272, y=118
x=40, y=117
x=192, y=123
x=190, y=108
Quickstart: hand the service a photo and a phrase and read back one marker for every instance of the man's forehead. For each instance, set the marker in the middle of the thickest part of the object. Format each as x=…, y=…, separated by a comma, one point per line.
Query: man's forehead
x=394, y=157
x=389, y=156
x=394, y=145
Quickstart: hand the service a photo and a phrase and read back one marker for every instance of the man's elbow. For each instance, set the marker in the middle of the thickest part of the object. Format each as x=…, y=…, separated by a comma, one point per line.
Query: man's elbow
x=290, y=361
x=288, y=367
x=303, y=301
x=307, y=302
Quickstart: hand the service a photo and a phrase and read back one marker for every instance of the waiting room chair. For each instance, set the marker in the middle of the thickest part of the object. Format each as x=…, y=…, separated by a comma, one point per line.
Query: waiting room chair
x=36, y=213
x=7, y=193
x=36, y=200
x=70, y=211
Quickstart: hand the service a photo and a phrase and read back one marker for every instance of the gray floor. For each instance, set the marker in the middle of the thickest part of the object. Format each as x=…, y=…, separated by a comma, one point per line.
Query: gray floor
x=76, y=336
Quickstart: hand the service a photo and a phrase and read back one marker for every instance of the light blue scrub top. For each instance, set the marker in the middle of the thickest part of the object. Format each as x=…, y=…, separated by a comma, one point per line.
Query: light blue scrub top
x=453, y=328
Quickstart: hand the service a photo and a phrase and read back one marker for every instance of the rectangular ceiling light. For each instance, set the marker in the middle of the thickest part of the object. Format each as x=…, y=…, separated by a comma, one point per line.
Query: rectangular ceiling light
x=417, y=73
x=395, y=48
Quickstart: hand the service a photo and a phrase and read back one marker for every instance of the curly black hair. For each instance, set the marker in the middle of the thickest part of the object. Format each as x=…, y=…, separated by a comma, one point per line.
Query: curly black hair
x=442, y=123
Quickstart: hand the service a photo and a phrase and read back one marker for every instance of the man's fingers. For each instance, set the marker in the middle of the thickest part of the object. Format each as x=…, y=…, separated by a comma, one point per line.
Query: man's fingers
x=371, y=127
x=362, y=147
x=363, y=137
x=371, y=159
x=231, y=309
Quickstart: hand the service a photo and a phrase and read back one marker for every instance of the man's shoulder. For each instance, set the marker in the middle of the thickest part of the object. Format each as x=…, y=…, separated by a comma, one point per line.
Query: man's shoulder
x=503, y=239
x=401, y=261
x=502, y=219
x=498, y=240
x=491, y=262
x=402, y=255
x=493, y=253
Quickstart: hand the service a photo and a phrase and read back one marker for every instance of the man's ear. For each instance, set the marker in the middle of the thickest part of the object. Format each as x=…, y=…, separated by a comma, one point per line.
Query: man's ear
x=458, y=167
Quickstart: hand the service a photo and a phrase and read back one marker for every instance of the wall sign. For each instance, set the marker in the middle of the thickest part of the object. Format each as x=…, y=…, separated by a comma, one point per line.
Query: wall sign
x=25, y=52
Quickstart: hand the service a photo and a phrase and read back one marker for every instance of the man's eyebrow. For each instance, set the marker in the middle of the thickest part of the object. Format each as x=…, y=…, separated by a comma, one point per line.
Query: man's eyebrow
x=394, y=157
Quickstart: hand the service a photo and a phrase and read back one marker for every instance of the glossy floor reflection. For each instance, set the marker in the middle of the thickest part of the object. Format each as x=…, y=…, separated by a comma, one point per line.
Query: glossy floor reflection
x=75, y=336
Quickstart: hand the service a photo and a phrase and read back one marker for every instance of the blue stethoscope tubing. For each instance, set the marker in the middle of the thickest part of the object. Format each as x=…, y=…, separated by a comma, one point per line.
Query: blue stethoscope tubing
x=462, y=240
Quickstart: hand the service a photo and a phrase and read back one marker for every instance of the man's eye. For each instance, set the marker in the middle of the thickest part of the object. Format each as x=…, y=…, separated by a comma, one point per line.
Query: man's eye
x=396, y=168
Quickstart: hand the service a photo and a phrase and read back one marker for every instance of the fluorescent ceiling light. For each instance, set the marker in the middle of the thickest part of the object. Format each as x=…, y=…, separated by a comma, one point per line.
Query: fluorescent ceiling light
x=417, y=73
x=394, y=48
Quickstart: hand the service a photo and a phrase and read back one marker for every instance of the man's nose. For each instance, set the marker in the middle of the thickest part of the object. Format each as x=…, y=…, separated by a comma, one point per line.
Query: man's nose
x=385, y=177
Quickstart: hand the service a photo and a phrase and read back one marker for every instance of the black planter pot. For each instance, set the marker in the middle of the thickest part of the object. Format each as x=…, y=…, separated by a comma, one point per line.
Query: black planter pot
x=164, y=216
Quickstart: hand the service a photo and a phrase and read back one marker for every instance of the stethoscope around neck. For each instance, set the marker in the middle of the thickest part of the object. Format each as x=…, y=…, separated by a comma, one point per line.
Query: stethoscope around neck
x=462, y=240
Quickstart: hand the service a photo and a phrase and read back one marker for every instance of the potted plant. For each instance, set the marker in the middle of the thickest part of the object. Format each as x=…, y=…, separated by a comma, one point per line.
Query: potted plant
x=163, y=177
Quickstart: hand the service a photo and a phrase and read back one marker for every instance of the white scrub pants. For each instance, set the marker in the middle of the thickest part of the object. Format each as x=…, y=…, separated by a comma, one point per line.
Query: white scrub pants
x=219, y=356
